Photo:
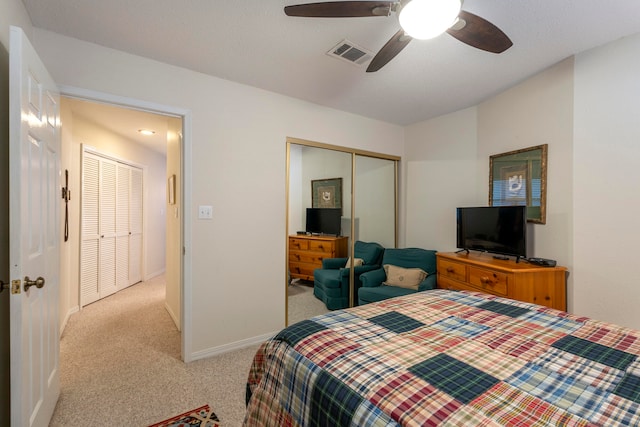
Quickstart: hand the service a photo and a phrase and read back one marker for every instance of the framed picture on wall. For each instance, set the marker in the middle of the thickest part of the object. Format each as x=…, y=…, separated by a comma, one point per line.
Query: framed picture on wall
x=520, y=178
x=326, y=193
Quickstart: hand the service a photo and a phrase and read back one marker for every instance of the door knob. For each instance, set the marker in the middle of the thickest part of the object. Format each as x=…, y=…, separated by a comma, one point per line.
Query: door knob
x=38, y=283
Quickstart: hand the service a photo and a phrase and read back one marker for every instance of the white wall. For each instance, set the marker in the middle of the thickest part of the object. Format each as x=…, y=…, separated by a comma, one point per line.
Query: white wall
x=607, y=182
x=237, y=165
x=441, y=174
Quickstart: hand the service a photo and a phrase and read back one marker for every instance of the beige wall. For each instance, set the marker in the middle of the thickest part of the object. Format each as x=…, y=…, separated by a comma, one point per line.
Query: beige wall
x=69, y=250
x=235, y=263
x=607, y=182
x=174, y=229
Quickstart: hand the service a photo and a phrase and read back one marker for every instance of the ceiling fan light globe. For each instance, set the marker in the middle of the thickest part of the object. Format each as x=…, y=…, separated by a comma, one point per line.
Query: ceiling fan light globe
x=426, y=19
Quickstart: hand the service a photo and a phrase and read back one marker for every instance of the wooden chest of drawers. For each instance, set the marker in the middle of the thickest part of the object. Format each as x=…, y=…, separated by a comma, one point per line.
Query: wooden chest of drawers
x=307, y=252
x=520, y=281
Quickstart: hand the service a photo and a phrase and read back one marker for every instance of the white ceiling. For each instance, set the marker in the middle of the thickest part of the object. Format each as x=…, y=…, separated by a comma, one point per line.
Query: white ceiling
x=124, y=122
x=254, y=42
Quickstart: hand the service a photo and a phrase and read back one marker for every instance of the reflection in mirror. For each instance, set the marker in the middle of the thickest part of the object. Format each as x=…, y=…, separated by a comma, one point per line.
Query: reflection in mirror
x=375, y=205
x=375, y=202
x=323, y=167
x=323, y=173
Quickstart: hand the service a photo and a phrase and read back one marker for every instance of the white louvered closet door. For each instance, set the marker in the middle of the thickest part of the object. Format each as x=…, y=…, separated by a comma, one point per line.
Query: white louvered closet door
x=122, y=227
x=108, y=193
x=89, y=271
x=111, y=247
x=135, y=227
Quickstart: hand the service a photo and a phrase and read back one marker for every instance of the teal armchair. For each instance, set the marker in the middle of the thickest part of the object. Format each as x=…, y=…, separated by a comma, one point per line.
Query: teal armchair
x=373, y=282
x=331, y=282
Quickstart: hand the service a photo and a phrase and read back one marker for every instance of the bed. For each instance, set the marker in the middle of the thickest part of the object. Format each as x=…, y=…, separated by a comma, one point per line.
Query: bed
x=447, y=358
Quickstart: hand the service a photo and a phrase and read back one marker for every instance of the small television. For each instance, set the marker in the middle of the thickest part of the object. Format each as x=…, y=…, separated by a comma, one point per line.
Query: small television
x=496, y=229
x=324, y=221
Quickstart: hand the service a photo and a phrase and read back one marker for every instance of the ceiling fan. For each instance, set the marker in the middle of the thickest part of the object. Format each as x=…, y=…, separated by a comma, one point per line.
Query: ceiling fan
x=419, y=19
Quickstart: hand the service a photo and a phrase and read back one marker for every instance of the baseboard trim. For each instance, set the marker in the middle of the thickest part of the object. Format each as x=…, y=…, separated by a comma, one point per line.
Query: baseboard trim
x=71, y=312
x=173, y=316
x=153, y=275
x=215, y=351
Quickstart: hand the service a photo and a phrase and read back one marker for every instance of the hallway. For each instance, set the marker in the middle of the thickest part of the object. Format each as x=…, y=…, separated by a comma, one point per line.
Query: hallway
x=120, y=365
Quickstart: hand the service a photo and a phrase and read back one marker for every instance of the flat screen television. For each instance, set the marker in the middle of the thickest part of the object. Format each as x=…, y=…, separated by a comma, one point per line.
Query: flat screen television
x=495, y=229
x=324, y=221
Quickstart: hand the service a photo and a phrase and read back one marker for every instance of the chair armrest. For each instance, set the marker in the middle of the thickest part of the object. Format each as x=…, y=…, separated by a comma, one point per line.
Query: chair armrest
x=360, y=269
x=428, y=283
x=373, y=278
x=333, y=263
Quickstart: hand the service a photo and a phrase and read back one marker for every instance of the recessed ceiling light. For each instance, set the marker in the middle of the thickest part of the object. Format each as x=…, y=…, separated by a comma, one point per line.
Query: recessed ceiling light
x=147, y=132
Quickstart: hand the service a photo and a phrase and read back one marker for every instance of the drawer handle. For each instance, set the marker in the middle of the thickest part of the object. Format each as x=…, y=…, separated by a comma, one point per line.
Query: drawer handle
x=320, y=247
x=486, y=281
x=450, y=270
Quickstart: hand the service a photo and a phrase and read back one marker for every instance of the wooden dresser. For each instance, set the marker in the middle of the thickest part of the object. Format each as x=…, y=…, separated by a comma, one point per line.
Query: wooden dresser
x=519, y=281
x=307, y=252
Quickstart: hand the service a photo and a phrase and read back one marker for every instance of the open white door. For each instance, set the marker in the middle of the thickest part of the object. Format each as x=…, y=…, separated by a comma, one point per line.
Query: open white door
x=34, y=157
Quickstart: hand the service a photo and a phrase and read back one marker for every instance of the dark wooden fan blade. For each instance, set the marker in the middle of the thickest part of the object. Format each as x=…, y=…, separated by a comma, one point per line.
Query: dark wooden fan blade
x=389, y=51
x=340, y=9
x=481, y=34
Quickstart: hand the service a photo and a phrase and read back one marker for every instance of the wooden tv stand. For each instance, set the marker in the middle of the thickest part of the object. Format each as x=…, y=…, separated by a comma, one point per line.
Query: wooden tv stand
x=519, y=281
x=306, y=253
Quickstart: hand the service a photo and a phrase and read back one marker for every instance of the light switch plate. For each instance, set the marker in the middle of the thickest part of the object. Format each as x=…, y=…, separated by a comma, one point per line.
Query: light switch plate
x=205, y=212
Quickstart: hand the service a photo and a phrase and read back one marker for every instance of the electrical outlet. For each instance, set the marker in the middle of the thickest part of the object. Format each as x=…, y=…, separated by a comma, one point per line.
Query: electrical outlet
x=205, y=212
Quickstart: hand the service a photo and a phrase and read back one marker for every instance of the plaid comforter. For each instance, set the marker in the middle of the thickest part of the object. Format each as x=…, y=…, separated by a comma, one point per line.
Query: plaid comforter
x=447, y=358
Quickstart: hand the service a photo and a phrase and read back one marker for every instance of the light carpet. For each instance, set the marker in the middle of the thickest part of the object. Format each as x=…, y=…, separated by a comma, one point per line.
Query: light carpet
x=120, y=362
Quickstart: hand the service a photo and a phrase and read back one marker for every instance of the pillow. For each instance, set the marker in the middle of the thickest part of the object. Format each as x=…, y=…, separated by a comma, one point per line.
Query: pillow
x=409, y=278
x=357, y=262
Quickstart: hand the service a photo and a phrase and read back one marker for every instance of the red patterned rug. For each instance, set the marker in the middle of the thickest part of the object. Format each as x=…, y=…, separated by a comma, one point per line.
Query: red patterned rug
x=199, y=417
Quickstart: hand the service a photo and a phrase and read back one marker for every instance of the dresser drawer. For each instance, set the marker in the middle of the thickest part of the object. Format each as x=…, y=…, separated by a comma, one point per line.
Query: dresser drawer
x=525, y=282
x=452, y=270
x=298, y=244
x=306, y=257
x=321, y=246
x=493, y=282
x=301, y=270
x=454, y=285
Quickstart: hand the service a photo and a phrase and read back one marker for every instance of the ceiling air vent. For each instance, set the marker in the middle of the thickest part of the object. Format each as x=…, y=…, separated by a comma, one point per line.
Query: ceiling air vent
x=350, y=52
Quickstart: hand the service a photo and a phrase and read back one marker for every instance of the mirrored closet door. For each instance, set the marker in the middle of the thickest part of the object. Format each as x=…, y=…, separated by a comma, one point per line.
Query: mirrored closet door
x=333, y=188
